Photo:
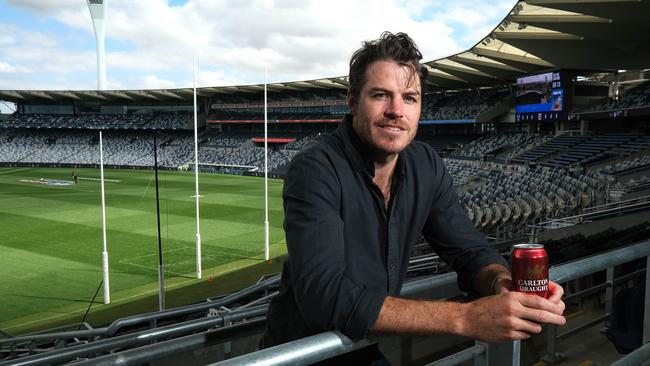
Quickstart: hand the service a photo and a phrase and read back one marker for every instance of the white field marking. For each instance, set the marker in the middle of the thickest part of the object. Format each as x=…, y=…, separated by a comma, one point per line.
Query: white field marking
x=146, y=189
x=105, y=180
x=48, y=182
x=121, y=300
x=166, y=268
x=152, y=255
x=194, y=196
x=100, y=304
x=189, y=249
x=129, y=261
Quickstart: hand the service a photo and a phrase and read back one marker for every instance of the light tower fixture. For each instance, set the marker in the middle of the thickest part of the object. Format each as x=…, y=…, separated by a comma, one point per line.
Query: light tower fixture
x=97, y=13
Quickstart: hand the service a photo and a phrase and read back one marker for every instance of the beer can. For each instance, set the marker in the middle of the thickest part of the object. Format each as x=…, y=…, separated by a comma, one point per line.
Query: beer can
x=530, y=269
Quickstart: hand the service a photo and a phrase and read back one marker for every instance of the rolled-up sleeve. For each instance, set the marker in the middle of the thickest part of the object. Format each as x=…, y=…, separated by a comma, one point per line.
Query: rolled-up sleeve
x=453, y=236
x=326, y=297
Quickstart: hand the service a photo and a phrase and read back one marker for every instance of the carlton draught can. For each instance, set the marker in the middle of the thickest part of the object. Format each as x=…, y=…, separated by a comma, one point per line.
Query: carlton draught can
x=530, y=269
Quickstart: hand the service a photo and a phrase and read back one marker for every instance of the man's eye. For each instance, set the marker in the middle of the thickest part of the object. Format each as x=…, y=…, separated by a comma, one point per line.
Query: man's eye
x=380, y=95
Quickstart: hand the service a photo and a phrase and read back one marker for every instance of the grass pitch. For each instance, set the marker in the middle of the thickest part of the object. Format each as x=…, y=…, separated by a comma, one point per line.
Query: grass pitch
x=51, y=241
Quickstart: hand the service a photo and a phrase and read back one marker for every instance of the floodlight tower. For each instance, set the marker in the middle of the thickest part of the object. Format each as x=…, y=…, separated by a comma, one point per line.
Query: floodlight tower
x=97, y=13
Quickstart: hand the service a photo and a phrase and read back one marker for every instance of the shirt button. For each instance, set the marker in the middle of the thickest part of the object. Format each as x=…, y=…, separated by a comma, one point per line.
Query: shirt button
x=391, y=266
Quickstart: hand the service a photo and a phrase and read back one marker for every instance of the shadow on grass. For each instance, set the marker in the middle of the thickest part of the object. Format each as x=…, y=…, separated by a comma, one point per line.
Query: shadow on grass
x=193, y=292
x=87, y=301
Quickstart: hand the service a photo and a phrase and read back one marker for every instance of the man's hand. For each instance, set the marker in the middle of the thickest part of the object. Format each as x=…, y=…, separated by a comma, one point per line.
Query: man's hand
x=511, y=315
x=506, y=316
x=555, y=293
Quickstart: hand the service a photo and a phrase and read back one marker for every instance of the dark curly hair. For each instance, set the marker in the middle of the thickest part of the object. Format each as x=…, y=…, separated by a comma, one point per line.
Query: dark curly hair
x=396, y=47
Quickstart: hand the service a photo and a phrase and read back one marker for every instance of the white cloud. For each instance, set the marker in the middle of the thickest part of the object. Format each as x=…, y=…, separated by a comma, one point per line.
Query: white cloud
x=6, y=40
x=7, y=68
x=153, y=82
x=235, y=39
x=207, y=78
x=51, y=60
x=475, y=20
x=47, y=7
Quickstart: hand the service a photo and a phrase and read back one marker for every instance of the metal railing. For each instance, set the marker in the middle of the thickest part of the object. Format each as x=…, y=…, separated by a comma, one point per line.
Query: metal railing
x=640, y=356
x=616, y=204
x=161, y=342
x=606, y=211
x=63, y=335
x=306, y=350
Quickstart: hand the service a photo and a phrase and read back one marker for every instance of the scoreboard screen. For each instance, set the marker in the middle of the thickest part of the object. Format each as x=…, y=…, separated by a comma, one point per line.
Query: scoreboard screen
x=541, y=98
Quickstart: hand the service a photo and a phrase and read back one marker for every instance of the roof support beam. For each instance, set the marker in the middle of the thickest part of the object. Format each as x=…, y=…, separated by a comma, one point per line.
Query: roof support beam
x=166, y=94
x=508, y=56
x=544, y=18
x=556, y=36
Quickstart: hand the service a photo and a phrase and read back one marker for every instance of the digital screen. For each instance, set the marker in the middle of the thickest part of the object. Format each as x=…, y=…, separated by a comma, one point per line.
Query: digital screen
x=540, y=97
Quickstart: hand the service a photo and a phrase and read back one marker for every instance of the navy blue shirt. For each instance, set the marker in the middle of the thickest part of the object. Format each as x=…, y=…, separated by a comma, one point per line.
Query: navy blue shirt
x=348, y=250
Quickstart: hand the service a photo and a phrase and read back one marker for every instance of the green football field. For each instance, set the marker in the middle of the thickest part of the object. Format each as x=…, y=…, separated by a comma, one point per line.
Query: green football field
x=51, y=240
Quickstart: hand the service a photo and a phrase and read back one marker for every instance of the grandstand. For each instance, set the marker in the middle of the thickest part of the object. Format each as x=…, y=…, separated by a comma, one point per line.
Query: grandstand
x=579, y=183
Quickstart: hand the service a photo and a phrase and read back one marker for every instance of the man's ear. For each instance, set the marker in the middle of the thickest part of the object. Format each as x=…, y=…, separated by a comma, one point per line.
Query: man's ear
x=351, y=103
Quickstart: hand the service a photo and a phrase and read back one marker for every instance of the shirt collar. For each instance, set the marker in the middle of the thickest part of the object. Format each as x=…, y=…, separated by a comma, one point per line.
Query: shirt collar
x=355, y=150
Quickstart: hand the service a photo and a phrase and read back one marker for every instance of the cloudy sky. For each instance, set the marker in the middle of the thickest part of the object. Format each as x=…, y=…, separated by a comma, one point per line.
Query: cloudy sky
x=49, y=44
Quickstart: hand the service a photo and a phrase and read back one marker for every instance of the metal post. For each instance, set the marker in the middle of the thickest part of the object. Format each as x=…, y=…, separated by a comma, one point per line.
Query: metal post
x=646, y=313
x=499, y=354
x=552, y=356
x=105, y=268
x=161, y=269
x=481, y=360
x=267, y=249
x=609, y=293
x=516, y=352
x=406, y=350
x=196, y=175
x=551, y=330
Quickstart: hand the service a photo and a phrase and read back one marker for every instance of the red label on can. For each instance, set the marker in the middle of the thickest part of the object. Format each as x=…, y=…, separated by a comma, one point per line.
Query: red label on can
x=530, y=269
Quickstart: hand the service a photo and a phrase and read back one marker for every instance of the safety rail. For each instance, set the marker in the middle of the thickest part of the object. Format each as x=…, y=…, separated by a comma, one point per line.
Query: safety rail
x=616, y=204
x=642, y=205
x=295, y=352
x=161, y=342
x=639, y=356
x=149, y=318
x=138, y=338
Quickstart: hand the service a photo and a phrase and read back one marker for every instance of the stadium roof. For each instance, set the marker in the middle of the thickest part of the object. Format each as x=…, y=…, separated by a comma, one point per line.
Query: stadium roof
x=536, y=35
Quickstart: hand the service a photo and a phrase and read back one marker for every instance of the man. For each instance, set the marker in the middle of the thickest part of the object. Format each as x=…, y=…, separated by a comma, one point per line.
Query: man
x=355, y=203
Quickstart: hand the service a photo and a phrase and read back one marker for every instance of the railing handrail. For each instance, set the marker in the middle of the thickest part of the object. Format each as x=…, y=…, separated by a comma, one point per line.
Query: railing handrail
x=304, y=351
x=589, y=214
x=636, y=357
x=300, y=349
x=616, y=204
x=306, y=346
x=585, y=266
x=132, y=339
x=185, y=310
x=114, y=327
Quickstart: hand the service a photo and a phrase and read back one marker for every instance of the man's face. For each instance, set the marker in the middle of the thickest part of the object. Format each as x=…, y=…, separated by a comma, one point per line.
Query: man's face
x=387, y=111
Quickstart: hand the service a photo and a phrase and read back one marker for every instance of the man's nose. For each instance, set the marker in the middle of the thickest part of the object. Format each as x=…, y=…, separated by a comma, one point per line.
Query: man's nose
x=395, y=108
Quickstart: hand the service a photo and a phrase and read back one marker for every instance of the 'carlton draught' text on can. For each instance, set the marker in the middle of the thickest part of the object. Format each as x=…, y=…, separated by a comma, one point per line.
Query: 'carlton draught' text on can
x=530, y=269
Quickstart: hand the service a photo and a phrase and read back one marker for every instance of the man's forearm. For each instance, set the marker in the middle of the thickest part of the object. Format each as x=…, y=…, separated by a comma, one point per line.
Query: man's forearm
x=418, y=317
x=415, y=317
x=506, y=316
